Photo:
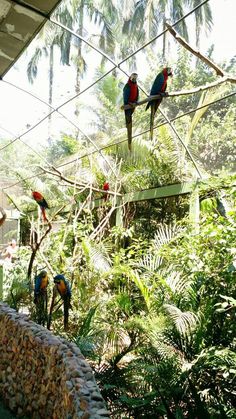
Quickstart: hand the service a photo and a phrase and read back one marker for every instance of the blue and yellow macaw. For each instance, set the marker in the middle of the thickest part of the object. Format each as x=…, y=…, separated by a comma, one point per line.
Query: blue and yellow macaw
x=64, y=289
x=159, y=87
x=40, y=297
x=41, y=283
x=130, y=95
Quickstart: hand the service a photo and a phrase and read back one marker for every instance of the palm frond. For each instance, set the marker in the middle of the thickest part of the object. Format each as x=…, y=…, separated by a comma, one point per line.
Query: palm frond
x=32, y=67
x=185, y=322
x=150, y=262
x=178, y=283
x=143, y=288
x=164, y=234
x=97, y=256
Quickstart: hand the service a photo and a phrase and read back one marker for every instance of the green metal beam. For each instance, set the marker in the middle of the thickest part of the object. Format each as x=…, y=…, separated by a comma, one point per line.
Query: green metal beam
x=160, y=192
x=154, y=193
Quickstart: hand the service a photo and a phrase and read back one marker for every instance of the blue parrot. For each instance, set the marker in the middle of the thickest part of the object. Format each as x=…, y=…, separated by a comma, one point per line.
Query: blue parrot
x=158, y=87
x=64, y=289
x=130, y=95
x=40, y=297
x=41, y=283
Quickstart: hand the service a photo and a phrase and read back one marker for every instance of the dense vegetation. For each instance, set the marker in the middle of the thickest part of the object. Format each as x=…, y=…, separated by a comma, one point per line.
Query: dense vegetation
x=153, y=299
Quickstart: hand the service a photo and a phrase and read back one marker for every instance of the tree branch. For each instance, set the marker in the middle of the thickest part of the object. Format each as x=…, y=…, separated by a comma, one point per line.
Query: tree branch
x=198, y=54
x=183, y=92
x=35, y=248
x=80, y=184
x=4, y=216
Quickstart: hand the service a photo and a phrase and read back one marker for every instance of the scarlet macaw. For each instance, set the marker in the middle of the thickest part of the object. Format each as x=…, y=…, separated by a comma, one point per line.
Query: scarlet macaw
x=42, y=203
x=130, y=95
x=106, y=187
x=64, y=289
x=158, y=87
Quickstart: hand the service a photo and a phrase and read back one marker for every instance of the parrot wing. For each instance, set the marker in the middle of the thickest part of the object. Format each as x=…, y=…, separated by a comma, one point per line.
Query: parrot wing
x=68, y=288
x=126, y=94
x=38, y=280
x=43, y=203
x=157, y=85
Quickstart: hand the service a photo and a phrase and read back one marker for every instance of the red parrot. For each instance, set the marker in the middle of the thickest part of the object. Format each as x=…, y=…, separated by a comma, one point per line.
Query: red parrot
x=130, y=95
x=42, y=203
x=159, y=87
x=106, y=187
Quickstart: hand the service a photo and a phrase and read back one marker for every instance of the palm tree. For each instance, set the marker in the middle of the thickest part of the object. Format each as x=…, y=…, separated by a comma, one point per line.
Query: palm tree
x=150, y=16
x=50, y=37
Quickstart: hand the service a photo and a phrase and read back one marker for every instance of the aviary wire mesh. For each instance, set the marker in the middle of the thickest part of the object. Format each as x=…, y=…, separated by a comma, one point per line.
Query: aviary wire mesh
x=69, y=68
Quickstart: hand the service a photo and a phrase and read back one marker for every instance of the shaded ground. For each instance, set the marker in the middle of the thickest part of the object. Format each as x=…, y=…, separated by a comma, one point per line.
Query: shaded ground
x=4, y=413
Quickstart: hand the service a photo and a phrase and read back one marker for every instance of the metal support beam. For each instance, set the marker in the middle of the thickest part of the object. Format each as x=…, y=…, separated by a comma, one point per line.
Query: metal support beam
x=161, y=192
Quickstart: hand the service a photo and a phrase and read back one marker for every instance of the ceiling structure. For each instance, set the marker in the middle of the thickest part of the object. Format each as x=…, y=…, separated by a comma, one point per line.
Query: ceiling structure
x=20, y=21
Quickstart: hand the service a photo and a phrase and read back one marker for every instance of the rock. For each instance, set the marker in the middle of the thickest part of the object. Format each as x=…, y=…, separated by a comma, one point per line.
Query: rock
x=44, y=376
x=96, y=396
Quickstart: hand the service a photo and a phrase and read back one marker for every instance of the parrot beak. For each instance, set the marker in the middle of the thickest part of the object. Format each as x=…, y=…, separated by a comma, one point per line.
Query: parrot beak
x=169, y=72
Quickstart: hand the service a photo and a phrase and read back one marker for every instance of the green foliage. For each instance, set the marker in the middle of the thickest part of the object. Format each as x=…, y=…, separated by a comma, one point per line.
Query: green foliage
x=16, y=285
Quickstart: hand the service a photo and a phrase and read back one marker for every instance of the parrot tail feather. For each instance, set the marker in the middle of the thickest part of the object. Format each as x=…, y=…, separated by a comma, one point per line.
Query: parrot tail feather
x=148, y=104
x=152, y=122
x=66, y=313
x=44, y=214
x=129, y=134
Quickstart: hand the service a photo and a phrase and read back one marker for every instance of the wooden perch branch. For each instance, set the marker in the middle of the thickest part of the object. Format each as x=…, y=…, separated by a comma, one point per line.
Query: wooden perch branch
x=198, y=54
x=218, y=70
x=77, y=184
x=35, y=247
x=3, y=217
x=184, y=92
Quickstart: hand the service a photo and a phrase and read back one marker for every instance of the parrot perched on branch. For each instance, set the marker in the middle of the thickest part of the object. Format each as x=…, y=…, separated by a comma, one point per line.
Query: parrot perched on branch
x=64, y=289
x=40, y=296
x=130, y=95
x=41, y=283
x=159, y=87
x=42, y=203
x=106, y=187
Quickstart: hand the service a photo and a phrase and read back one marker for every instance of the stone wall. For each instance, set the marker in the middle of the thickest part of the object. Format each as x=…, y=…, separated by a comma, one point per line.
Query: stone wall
x=43, y=376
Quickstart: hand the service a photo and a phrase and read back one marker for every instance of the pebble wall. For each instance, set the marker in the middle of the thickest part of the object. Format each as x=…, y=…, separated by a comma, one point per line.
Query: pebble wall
x=44, y=376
